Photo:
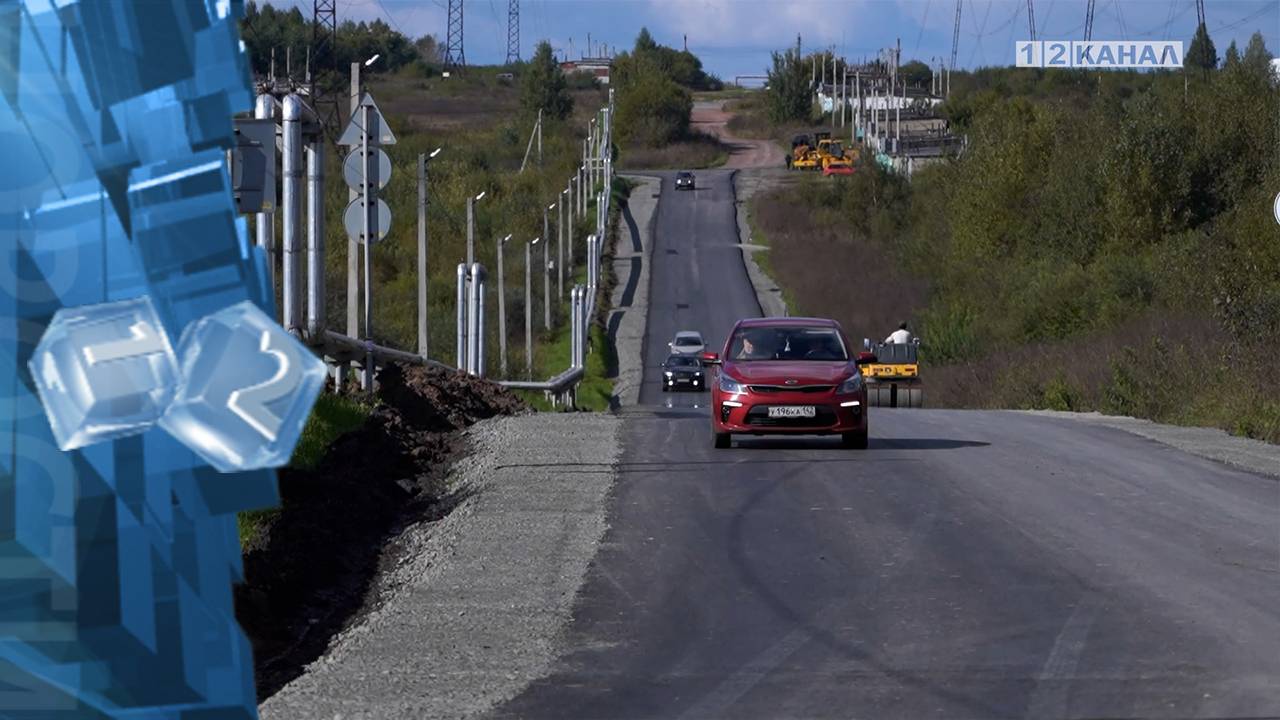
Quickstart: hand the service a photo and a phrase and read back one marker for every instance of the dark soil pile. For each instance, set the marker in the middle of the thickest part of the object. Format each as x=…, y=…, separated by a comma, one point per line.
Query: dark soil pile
x=308, y=572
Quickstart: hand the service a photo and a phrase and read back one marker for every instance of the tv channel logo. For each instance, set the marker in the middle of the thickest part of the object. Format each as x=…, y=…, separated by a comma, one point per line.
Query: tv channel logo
x=1098, y=54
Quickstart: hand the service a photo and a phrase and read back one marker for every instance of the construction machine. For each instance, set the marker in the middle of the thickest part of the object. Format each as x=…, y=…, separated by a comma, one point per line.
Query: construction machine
x=834, y=158
x=893, y=380
x=803, y=154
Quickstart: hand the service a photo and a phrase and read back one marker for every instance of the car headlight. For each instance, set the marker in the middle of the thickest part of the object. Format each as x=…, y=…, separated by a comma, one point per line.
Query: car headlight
x=668, y=373
x=850, y=386
x=731, y=386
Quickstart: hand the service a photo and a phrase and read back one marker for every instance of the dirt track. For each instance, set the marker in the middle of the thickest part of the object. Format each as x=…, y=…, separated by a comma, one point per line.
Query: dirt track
x=710, y=117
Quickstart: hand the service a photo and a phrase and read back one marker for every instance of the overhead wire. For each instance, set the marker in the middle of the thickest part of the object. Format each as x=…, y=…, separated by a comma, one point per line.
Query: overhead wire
x=981, y=31
x=923, y=21
x=1120, y=16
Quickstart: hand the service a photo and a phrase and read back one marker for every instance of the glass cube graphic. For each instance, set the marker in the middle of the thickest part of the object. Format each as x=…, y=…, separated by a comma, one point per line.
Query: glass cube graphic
x=104, y=371
x=247, y=388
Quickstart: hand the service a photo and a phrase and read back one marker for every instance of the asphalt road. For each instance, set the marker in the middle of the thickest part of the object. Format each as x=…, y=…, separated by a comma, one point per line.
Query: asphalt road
x=967, y=565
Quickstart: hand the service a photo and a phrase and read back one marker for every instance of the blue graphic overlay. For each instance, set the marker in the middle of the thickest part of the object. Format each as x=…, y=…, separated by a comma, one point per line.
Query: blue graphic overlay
x=117, y=558
x=104, y=371
x=247, y=389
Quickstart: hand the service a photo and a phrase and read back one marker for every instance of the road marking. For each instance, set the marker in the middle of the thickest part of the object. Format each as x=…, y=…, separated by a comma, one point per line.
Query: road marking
x=1050, y=696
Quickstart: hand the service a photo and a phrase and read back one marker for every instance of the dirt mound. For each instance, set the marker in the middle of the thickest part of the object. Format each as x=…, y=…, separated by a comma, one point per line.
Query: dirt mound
x=308, y=572
x=441, y=400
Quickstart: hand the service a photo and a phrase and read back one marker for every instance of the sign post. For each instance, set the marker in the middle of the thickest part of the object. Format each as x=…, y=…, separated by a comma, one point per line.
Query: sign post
x=367, y=219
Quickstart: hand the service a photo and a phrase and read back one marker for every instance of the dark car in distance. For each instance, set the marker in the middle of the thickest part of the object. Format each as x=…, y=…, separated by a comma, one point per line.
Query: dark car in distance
x=683, y=371
x=684, y=180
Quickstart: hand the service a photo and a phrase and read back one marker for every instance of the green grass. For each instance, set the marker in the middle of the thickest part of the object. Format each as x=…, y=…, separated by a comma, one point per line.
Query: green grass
x=331, y=418
x=764, y=257
x=551, y=357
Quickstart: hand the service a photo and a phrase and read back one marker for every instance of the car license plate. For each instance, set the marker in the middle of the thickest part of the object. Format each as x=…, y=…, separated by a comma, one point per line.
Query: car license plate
x=792, y=411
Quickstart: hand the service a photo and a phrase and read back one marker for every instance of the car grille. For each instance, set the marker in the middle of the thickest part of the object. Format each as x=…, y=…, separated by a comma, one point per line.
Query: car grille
x=823, y=417
x=766, y=389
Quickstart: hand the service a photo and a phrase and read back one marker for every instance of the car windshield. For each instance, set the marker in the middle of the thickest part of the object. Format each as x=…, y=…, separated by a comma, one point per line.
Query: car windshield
x=688, y=341
x=788, y=343
x=684, y=175
x=682, y=361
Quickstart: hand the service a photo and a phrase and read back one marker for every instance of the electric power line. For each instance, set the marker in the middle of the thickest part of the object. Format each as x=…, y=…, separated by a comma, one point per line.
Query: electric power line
x=920, y=35
x=955, y=37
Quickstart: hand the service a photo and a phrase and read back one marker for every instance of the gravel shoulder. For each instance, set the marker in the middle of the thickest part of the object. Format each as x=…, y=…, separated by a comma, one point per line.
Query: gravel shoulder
x=633, y=245
x=746, y=184
x=1251, y=455
x=468, y=612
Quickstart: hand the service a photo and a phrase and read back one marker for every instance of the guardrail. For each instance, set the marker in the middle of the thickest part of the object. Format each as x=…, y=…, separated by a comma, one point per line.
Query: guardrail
x=303, y=314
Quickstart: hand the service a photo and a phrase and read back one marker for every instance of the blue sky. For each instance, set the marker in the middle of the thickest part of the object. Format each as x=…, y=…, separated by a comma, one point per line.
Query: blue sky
x=734, y=37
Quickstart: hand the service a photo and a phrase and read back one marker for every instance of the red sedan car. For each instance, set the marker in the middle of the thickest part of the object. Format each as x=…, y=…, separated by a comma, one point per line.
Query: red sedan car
x=793, y=376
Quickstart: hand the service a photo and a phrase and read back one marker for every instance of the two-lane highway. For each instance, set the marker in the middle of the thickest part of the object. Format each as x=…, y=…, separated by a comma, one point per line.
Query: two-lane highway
x=967, y=565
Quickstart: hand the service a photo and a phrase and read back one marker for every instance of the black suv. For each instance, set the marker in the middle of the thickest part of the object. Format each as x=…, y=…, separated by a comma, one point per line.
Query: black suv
x=684, y=180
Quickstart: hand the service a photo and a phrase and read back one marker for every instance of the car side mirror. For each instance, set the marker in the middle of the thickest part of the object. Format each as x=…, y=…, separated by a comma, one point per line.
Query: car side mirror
x=866, y=358
x=711, y=358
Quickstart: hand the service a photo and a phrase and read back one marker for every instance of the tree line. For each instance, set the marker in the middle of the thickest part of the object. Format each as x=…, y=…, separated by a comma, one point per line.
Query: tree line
x=265, y=28
x=1085, y=199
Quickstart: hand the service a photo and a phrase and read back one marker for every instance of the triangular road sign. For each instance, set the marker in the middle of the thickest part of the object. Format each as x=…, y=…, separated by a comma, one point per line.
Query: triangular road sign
x=351, y=133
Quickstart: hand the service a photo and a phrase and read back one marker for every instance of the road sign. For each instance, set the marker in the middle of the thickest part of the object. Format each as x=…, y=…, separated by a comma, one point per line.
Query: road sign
x=353, y=220
x=353, y=168
x=351, y=134
x=1275, y=209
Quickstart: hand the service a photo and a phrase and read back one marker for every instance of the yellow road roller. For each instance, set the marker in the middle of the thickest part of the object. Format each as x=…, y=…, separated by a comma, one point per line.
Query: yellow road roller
x=893, y=380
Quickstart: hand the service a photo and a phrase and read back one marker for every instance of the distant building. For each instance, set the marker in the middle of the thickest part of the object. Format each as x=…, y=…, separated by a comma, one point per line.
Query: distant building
x=599, y=67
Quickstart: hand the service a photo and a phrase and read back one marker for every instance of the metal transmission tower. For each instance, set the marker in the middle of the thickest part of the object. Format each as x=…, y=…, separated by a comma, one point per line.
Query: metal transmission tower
x=955, y=37
x=454, y=57
x=1200, y=12
x=513, y=31
x=322, y=73
x=1088, y=21
x=1031, y=18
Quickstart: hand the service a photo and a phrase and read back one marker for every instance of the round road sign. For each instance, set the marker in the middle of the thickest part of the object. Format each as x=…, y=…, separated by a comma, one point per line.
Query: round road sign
x=353, y=220
x=353, y=168
x=1275, y=209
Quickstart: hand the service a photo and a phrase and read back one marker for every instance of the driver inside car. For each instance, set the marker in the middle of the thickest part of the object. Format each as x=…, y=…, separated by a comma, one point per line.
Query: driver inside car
x=755, y=346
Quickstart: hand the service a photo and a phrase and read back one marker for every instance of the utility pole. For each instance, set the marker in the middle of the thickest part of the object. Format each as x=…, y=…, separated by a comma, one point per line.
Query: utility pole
x=422, y=255
x=471, y=226
x=353, y=245
x=502, y=311
x=370, y=232
x=1031, y=18
x=528, y=308
x=546, y=228
x=546, y=283
x=513, y=32
x=560, y=213
x=454, y=57
x=423, y=159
